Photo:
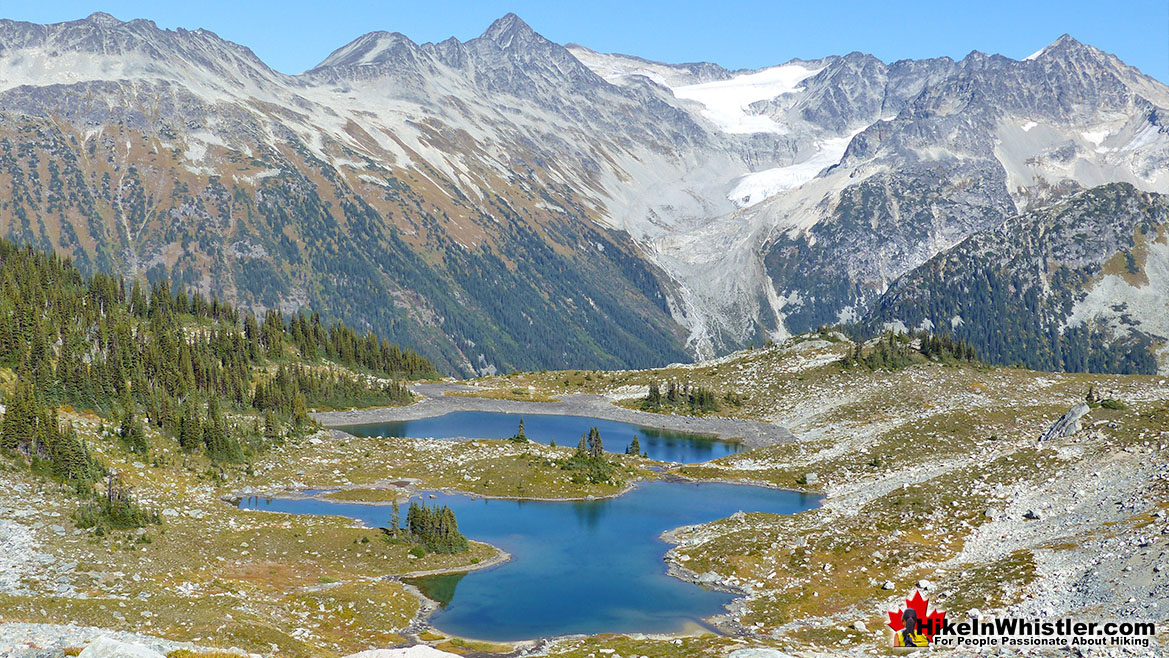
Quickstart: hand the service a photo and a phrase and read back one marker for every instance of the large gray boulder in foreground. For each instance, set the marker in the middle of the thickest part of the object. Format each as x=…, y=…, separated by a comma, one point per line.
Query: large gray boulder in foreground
x=105, y=647
x=1068, y=425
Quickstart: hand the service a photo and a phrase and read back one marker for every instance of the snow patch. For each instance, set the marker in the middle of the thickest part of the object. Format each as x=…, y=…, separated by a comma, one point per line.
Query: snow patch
x=1095, y=136
x=615, y=68
x=896, y=326
x=752, y=188
x=847, y=315
x=727, y=101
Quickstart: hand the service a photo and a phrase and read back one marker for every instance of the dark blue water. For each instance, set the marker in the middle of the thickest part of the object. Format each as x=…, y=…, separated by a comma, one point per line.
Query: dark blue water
x=662, y=445
x=577, y=567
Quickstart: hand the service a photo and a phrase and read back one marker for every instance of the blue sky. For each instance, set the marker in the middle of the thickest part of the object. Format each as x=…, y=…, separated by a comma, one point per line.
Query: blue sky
x=294, y=35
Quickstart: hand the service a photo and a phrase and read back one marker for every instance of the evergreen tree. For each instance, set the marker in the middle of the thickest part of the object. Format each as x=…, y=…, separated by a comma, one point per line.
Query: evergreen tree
x=520, y=436
x=634, y=447
x=653, y=400
x=271, y=428
x=595, y=447
x=190, y=434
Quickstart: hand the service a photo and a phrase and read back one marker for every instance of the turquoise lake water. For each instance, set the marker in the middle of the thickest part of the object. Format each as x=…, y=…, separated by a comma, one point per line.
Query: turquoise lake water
x=577, y=566
x=564, y=430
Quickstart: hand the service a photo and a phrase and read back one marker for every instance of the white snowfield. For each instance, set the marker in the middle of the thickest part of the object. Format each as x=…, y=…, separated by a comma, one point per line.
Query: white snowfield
x=727, y=102
x=752, y=188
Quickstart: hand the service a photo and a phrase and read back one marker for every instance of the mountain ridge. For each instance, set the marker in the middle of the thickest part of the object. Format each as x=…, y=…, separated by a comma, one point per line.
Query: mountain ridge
x=724, y=208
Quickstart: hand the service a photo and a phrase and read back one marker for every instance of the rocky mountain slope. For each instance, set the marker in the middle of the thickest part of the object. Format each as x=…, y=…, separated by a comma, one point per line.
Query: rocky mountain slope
x=416, y=190
x=1044, y=286
x=506, y=202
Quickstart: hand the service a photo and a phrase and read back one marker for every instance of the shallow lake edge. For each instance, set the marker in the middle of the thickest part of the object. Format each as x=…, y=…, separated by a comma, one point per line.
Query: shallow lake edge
x=433, y=403
x=724, y=622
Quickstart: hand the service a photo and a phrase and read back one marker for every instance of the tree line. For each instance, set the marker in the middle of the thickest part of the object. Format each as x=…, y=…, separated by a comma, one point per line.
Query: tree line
x=894, y=350
x=686, y=397
x=171, y=360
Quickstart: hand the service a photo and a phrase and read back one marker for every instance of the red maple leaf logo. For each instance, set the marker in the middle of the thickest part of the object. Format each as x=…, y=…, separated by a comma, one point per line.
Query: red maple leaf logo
x=931, y=620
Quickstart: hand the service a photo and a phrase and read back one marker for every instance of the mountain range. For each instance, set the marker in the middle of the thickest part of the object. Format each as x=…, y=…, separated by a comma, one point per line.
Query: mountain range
x=507, y=202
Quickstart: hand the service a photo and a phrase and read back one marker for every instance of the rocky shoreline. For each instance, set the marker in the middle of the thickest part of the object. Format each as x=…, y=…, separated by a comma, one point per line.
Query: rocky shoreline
x=435, y=402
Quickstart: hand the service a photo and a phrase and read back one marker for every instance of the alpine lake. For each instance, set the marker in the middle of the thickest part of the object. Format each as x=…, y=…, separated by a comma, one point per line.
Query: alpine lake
x=580, y=566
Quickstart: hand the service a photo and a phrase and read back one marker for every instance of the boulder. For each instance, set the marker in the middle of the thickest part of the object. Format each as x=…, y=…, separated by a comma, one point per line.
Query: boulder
x=105, y=647
x=888, y=585
x=859, y=626
x=758, y=653
x=1068, y=424
x=417, y=651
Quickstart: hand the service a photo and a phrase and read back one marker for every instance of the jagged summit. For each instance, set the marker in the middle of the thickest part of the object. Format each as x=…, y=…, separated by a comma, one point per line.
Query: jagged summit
x=508, y=33
x=1064, y=46
x=511, y=30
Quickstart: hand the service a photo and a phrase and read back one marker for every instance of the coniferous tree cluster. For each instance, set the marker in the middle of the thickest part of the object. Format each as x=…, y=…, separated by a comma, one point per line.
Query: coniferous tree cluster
x=114, y=509
x=895, y=350
x=588, y=463
x=31, y=428
x=435, y=528
x=288, y=391
x=944, y=347
x=167, y=360
x=343, y=345
x=685, y=397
